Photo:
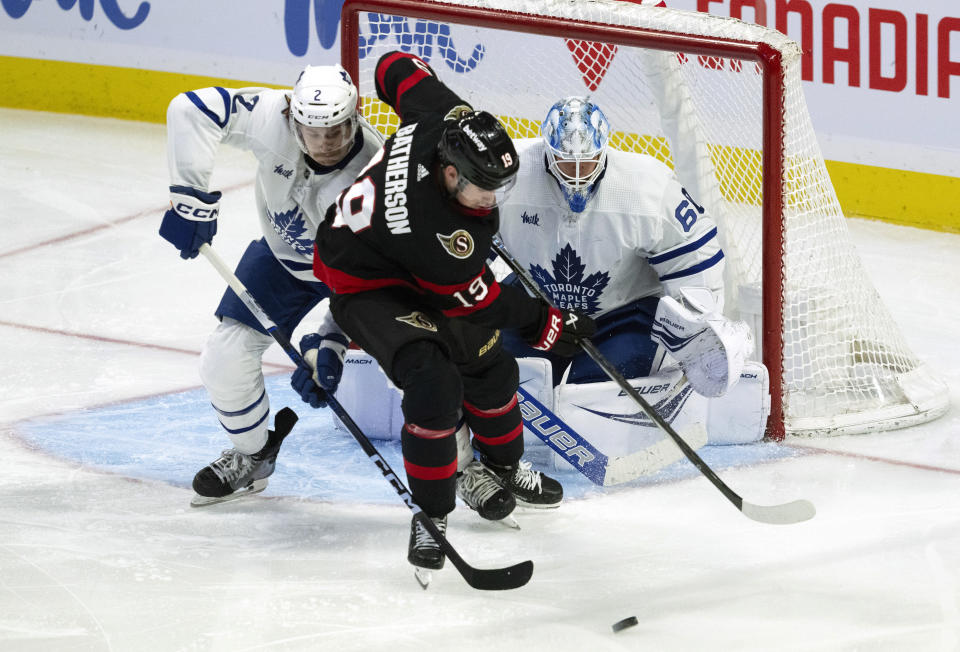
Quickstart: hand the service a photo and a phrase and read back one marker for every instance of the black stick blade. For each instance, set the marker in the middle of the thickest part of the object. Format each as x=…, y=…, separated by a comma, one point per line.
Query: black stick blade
x=497, y=579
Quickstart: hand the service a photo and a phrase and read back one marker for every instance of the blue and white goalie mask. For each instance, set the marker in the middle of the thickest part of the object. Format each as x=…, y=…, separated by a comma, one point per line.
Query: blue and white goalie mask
x=575, y=134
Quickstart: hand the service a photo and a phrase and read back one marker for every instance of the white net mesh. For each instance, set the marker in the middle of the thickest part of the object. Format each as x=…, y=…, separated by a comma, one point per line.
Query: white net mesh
x=846, y=367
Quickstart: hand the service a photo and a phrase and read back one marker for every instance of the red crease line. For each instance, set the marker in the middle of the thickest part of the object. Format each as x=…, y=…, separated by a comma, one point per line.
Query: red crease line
x=873, y=458
x=112, y=340
x=99, y=227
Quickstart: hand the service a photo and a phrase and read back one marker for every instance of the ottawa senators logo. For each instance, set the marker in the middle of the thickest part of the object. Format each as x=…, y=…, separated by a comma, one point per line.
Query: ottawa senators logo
x=458, y=244
x=457, y=112
x=419, y=320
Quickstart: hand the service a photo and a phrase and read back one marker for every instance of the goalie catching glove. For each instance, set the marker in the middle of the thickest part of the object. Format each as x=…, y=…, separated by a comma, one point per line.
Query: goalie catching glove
x=191, y=220
x=710, y=348
x=322, y=367
x=560, y=331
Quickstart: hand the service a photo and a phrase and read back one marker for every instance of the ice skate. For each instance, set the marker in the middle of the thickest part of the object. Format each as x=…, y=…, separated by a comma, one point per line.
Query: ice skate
x=482, y=491
x=238, y=475
x=423, y=552
x=529, y=488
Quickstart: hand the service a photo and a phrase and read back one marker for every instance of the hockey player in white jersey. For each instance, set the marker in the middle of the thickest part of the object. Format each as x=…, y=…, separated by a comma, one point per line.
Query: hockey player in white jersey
x=615, y=235
x=309, y=143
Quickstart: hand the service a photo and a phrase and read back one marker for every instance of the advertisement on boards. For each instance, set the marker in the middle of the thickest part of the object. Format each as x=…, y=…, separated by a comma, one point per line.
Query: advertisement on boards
x=881, y=77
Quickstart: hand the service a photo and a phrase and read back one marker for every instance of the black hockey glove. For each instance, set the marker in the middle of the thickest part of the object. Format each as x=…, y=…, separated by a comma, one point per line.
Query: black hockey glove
x=559, y=331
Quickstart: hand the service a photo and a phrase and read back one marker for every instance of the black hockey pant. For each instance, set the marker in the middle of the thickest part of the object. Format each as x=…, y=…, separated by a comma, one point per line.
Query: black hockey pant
x=448, y=369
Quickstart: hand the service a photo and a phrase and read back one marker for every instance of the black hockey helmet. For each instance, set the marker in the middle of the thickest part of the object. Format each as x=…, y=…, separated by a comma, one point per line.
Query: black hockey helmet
x=479, y=147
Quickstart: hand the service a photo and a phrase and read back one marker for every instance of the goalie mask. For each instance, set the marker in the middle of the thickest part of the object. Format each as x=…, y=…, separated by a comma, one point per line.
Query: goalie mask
x=478, y=146
x=575, y=135
x=323, y=113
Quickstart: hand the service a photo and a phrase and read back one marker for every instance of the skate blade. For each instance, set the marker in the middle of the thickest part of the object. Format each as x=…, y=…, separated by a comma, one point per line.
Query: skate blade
x=423, y=576
x=205, y=501
x=526, y=505
x=509, y=522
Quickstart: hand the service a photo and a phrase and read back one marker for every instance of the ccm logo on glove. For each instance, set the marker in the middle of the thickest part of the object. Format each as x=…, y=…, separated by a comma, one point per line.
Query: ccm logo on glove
x=191, y=220
x=197, y=213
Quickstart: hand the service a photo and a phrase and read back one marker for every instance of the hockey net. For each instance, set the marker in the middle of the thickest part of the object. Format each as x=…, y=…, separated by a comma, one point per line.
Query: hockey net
x=721, y=102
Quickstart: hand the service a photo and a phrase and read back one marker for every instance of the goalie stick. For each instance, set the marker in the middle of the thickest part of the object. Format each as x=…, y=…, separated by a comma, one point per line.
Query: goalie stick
x=786, y=513
x=485, y=579
x=593, y=464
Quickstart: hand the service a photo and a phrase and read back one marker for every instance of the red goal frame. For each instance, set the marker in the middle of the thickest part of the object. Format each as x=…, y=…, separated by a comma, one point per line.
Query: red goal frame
x=770, y=63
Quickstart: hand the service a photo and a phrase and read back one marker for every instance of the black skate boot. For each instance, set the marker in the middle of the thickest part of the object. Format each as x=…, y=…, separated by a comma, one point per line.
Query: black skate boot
x=530, y=488
x=422, y=550
x=234, y=474
x=483, y=492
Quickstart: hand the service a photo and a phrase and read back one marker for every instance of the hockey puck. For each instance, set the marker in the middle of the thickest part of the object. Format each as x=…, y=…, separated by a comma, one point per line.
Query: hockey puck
x=623, y=624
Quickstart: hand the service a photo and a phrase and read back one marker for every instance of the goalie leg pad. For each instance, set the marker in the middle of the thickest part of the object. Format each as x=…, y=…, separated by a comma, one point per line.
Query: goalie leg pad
x=617, y=426
x=369, y=397
x=740, y=415
x=536, y=379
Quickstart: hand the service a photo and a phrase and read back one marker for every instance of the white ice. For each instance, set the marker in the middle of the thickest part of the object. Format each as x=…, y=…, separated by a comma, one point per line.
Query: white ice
x=101, y=324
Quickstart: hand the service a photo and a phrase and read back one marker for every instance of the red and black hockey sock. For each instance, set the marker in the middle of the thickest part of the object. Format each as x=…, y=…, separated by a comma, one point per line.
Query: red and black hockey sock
x=430, y=458
x=497, y=431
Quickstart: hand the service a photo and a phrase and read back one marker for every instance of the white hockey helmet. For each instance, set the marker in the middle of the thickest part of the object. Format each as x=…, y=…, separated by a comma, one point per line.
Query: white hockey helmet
x=324, y=96
x=575, y=134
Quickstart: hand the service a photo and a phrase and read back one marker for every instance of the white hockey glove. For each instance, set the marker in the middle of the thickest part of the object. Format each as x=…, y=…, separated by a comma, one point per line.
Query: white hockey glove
x=710, y=348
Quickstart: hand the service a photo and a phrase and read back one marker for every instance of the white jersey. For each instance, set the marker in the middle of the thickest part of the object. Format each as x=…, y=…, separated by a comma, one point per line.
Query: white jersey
x=640, y=235
x=291, y=195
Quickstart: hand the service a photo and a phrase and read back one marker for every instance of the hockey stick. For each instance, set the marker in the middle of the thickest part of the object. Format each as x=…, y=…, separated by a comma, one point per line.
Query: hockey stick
x=792, y=512
x=593, y=464
x=486, y=579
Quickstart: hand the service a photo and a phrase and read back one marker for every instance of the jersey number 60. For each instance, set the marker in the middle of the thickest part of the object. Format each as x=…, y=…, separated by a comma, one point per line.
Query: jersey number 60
x=688, y=211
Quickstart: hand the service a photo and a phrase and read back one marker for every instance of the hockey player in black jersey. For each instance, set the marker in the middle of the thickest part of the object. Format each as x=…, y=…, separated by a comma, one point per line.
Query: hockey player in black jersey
x=404, y=250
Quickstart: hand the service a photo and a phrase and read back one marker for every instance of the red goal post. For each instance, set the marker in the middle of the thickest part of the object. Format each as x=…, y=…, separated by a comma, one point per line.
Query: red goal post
x=721, y=102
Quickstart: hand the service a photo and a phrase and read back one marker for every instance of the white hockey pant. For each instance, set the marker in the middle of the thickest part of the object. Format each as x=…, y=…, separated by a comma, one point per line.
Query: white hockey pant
x=231, y=370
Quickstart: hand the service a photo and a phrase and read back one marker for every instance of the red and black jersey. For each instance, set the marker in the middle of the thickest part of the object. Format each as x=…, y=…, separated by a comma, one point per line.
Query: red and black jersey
x=397, y=226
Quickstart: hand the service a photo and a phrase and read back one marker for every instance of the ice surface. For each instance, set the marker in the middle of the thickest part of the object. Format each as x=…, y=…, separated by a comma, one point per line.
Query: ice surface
x=103, y=424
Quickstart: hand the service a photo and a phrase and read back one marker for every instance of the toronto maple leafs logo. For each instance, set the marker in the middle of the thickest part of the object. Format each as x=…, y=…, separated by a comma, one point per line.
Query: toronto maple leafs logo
x=567, y=286
x=291, y=228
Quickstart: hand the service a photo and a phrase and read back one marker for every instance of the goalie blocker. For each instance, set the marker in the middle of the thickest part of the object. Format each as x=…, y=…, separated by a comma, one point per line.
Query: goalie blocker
x=600, y=413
